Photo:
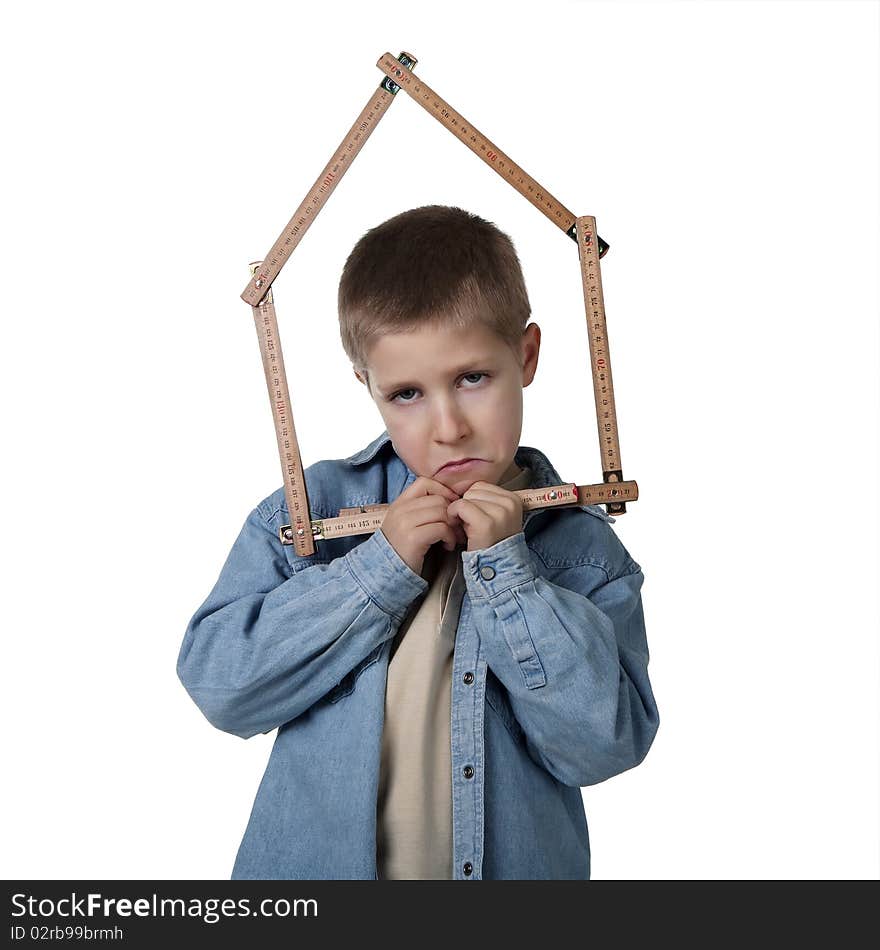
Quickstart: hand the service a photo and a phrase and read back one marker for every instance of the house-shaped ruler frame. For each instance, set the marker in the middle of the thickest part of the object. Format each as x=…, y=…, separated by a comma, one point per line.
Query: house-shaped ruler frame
x=302, y=532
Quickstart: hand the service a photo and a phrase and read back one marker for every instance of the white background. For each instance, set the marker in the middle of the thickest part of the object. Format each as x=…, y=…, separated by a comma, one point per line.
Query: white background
x=729, y=153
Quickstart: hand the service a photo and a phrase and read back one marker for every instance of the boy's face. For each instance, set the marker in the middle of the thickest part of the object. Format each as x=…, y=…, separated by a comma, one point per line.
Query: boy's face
x=447, y=394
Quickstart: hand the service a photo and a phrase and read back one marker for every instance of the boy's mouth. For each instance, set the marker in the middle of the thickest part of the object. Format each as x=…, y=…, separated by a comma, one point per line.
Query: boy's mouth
x=459, y=465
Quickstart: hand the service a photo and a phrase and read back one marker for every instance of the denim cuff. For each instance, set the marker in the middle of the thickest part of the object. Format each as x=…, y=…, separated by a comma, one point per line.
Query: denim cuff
x=493, y=570
x=384, y=575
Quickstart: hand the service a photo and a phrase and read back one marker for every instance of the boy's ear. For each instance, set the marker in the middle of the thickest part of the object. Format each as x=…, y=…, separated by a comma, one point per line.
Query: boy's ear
x=531, y=347
x=362, y=380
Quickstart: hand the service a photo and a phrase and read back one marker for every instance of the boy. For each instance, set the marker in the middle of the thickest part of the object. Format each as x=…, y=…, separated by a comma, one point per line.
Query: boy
x=443, y=687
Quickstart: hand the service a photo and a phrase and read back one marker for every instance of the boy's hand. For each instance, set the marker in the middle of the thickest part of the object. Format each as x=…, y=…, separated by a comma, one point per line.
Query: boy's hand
x=418, y=518
x=489, y=513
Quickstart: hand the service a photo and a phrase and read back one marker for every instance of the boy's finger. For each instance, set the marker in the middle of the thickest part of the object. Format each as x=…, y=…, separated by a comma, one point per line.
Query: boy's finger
x=431, y=487
x=438, y=488
x=451, y=492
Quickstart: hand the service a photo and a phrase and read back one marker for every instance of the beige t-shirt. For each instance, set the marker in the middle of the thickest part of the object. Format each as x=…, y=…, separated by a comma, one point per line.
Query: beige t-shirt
x=414, y=807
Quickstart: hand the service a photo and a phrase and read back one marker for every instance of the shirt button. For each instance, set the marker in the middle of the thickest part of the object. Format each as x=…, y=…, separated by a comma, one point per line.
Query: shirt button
x=487, y=573
x=468, y=771
x=468, y=868
x=468, y=677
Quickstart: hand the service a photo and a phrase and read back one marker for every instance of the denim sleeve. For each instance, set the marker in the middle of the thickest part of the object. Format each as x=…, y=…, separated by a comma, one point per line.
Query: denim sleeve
x=265, y=645
x=575, y=667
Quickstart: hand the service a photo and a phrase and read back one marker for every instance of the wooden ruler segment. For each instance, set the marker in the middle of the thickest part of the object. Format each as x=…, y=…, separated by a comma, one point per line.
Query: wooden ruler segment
x=481, y=146
x=609, y=493
x=299, y=530
x=327, y=181
x=368, y=518
x=600, y=356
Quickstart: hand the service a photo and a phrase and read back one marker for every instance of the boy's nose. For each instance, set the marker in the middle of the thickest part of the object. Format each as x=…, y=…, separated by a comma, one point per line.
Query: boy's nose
x=451, y=426
x=452, y=433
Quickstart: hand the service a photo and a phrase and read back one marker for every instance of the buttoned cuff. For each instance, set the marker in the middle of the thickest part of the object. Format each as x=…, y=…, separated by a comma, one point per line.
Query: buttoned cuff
x=384, y=575
x=493, y=570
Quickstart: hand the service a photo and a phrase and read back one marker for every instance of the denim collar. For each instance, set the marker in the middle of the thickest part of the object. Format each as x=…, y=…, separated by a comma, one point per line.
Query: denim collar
x=543, y=472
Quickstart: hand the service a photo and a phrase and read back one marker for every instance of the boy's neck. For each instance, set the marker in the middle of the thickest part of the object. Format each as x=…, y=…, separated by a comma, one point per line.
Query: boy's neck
x=512, y=471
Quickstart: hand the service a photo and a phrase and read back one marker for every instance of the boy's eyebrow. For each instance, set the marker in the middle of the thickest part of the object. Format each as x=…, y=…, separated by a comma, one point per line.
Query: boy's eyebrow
x=412, y=384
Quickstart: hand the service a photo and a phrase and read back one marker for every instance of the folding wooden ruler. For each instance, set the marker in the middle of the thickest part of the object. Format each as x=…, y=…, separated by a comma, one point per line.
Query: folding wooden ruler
x=303, y=531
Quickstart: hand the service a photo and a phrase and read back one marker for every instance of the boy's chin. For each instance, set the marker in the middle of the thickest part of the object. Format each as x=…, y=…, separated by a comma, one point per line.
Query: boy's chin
x=464, y=483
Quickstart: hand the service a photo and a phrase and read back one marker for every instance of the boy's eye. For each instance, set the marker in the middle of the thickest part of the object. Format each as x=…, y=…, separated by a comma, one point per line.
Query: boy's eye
x=401, y=392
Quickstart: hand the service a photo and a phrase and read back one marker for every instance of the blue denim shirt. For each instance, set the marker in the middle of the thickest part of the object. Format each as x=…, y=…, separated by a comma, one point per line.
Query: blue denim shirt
x=550, y=688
